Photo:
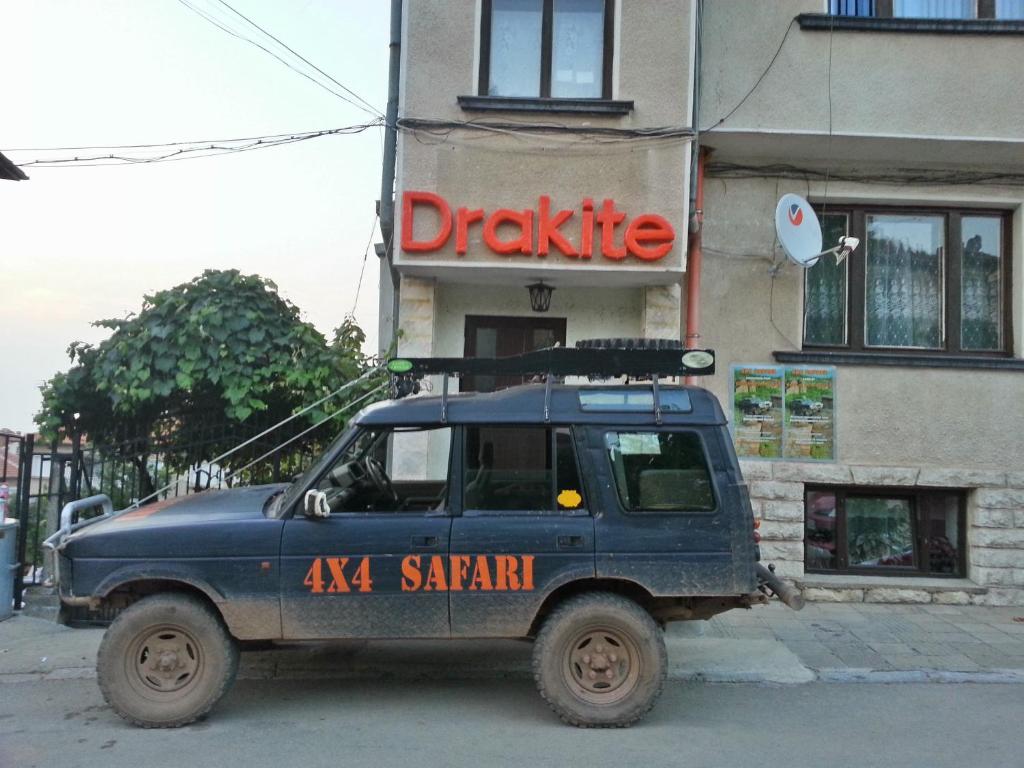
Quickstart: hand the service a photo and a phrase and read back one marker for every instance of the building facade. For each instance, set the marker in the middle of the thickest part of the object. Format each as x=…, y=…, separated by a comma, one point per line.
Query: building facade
x=552, y=140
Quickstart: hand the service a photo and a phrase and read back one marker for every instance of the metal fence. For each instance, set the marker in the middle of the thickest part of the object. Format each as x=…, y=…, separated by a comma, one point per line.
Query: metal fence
x=168, y=462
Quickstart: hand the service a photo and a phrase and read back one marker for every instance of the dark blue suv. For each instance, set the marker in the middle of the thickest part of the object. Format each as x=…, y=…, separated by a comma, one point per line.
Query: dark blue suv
x=581, y=517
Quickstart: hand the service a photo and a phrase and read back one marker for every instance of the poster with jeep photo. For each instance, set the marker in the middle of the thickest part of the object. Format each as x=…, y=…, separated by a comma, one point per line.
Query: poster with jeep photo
x=757, y=393
x=810, y=414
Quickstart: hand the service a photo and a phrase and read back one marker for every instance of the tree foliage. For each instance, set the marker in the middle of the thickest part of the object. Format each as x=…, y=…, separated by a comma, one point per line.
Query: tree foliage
x=224, y=346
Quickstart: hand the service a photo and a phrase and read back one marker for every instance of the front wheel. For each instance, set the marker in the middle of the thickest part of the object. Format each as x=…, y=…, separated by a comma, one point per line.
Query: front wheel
x=166, y=661
x=600, y=661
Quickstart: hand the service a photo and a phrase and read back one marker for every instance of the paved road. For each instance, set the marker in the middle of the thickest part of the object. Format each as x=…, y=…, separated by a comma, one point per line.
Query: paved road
x=284, y=723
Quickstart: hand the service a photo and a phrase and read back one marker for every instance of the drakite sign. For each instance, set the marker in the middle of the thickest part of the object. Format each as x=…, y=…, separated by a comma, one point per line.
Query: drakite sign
x=604, y=232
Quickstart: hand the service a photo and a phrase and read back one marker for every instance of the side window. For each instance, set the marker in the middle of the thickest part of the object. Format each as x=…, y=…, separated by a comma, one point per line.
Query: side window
x=390, y=470
x=660, y=471
x=521, y=469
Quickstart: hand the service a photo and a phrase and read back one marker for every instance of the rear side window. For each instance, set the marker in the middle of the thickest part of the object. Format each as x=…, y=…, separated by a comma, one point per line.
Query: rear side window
x=660, y=471
x=521, y=469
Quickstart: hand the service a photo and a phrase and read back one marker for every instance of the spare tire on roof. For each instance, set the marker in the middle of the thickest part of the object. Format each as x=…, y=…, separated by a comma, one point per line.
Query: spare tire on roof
x=626, y=343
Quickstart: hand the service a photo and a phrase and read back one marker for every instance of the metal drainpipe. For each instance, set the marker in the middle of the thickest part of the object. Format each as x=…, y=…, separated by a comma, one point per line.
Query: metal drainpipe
x=695, y=254
x=694, y=260
x=387, y=181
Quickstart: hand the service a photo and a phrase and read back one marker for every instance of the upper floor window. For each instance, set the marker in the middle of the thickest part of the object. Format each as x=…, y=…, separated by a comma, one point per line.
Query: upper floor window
x=923, y=280
x=929, y=9
x=557, y=49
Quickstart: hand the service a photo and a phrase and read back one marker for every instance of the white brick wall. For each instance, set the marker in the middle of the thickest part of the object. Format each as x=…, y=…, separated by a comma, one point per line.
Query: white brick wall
x=995, y=527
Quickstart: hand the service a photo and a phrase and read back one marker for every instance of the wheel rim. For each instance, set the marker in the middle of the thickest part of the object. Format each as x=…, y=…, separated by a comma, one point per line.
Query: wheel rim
x=601, y=665
x=165, y=661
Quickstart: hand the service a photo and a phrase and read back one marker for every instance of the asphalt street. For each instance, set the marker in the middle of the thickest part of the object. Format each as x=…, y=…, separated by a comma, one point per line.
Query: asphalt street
x=476, y=723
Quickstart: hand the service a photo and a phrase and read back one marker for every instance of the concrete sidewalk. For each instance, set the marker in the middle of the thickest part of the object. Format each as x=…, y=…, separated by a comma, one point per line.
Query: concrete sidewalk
x=831, y=642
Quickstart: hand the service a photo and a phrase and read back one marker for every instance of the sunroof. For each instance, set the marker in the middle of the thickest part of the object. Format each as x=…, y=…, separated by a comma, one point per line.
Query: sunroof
x=634, y=400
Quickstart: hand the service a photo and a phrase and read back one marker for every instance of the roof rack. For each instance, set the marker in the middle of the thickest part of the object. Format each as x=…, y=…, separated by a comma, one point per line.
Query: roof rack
x=552, y=363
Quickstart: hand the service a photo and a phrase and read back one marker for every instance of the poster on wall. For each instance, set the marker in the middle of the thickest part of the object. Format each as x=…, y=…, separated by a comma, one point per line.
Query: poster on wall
x=757, y=397
x=784, y=412
x=810, y=414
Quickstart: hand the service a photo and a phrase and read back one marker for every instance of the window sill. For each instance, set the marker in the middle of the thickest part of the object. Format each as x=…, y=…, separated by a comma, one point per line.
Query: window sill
x=549, y=106
x=928, y=583
x=823, y=22
x=899, y=359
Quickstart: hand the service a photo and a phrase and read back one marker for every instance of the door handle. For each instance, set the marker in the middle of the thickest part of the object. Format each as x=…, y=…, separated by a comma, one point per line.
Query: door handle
x=424, y=542
x=570, y=542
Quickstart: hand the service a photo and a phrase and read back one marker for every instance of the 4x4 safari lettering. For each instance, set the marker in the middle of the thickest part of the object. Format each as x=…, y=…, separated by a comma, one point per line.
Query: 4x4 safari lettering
x=358, y=578
x=483, y=573
x=497, y=573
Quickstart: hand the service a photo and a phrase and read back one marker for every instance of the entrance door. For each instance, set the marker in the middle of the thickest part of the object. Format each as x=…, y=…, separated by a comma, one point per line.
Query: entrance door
x=377, y=566
x=494, y=336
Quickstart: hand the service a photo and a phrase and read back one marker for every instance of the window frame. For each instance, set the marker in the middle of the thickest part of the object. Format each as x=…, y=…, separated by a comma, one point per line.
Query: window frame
x=639, y=429
x=583, y=510
x=913, y=495
x=952, y=266
x=546, y=54
x=883, y=9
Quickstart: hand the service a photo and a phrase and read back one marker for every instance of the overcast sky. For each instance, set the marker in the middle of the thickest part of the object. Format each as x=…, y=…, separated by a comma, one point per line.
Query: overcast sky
x=79, y=244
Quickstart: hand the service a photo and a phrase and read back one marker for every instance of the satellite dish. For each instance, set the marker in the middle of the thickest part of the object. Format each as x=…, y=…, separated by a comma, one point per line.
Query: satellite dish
x=798, y=230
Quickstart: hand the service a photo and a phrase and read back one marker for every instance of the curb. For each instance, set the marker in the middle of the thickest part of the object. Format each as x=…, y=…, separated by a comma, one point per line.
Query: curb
x=398, y=672
x=852, y=675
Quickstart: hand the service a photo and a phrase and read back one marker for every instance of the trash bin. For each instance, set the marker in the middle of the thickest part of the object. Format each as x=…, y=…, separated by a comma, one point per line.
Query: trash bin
x=8, y=565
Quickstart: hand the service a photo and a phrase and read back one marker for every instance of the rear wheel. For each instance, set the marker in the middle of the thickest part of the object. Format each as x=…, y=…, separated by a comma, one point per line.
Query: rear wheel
x=166, y=661
x=599, y=661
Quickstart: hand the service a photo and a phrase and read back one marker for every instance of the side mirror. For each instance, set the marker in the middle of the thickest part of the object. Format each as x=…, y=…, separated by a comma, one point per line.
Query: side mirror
x=314, y=504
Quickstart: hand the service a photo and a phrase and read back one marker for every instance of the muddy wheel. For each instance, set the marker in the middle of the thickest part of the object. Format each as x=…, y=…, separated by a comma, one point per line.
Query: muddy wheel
x=599, y=661
x=165, y=661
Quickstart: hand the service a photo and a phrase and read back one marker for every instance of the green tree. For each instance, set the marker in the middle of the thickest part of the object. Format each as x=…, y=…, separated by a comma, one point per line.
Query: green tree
x=223, y=347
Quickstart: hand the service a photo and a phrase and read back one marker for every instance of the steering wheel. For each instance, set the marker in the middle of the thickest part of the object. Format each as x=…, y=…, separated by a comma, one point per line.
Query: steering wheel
x=379, y=479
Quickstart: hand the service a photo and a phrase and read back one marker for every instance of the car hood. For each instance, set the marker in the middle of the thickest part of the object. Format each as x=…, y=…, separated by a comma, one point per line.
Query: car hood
x=200, y=517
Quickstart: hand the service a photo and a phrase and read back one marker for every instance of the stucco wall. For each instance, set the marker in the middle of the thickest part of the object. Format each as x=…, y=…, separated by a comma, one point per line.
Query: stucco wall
x=883, y=83
x=490, y=171
x=886, y=415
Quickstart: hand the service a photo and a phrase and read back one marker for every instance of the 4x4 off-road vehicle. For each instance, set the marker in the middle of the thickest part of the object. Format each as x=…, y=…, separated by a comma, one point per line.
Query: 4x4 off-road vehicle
x=583, y=517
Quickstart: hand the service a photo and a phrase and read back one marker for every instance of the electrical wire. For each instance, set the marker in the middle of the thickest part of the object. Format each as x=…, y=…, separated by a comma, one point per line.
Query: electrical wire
x=223, y=27
x=373, y=109
x=155, y=145
x=828, y=80
x=754, y=87
x=187, y=150
x=366, y=253
x=897, y=176
x=598, y=134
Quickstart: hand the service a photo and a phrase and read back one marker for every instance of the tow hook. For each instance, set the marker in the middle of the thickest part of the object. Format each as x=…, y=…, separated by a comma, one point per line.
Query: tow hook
x=767, y=580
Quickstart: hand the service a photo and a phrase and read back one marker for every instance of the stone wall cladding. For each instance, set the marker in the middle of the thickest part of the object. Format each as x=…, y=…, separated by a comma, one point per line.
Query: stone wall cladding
x=995, y=528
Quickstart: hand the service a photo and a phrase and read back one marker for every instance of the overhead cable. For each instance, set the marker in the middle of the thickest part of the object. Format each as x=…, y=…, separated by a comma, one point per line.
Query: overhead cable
x=234, y=33
x=291, y=50
x=594, y=133
x=174, y=151
x=757, y=82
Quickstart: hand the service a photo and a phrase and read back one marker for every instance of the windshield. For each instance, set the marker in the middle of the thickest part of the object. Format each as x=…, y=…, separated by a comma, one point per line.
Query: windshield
x=285, y=500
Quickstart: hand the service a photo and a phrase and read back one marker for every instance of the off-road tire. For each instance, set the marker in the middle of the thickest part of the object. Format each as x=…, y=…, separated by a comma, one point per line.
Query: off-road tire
x=561, y=679
x=625, y=343
x=199, y=661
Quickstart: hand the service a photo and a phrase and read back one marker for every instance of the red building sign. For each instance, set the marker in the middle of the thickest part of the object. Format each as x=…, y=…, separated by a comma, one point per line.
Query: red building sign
x=604, y=231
